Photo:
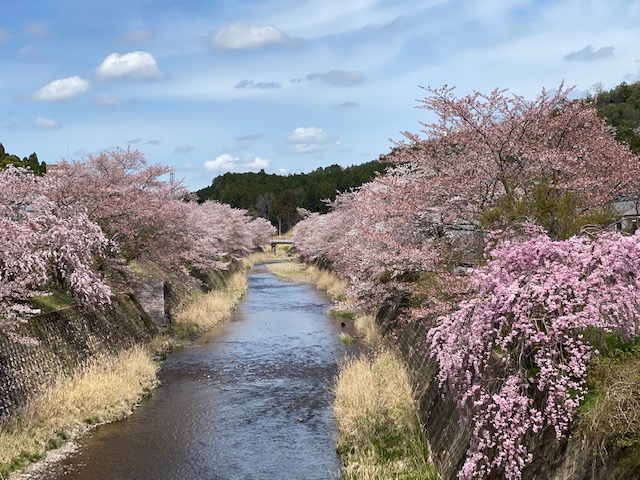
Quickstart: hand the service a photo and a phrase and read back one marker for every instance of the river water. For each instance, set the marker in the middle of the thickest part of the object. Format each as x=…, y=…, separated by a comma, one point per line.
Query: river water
x=251, y=401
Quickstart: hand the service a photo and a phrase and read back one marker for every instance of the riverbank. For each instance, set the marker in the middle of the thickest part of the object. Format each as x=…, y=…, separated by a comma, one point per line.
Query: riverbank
x=250, y=399
x=104, y=387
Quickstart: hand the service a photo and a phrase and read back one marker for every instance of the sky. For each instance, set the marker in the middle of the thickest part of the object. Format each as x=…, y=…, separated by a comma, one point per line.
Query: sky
x=287, y=86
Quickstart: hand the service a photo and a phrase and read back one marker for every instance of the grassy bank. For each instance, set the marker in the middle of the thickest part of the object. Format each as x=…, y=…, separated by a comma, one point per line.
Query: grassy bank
x=610, y=415
x=380, y=436
x=299, y=272
x=108, y=388
x=207, y=310
x=104, y=390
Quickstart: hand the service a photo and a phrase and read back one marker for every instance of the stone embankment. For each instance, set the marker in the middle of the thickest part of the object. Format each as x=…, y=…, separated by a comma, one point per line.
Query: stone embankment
x=66, y=339
x=574, y=459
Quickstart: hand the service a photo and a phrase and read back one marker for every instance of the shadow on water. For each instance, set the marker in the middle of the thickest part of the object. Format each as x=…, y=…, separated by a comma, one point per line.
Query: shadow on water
x=251, y=401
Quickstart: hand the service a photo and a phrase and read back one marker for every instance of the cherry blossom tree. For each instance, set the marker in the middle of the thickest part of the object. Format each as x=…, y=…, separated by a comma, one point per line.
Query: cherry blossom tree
x=150, y=218
x=43, y=242
x=486, y=149
x=58, y=228
x=516, y=352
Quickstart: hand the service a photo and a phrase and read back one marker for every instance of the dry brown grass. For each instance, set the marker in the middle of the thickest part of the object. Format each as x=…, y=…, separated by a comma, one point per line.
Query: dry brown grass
x=104, y=390
x=367, y=328
x=295, y=271
x=613, y=408
x=215, y=307
x=380, y=436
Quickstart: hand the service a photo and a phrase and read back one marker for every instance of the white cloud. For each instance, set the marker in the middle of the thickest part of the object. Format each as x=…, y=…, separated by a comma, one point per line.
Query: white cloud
x=588, y=54
x=42, y=122
x=309, y=139
x=222, y=162
x=227, y=161
x=29, y=52
x=240, y=36
x=137, y=65
x=105, y=99
x=260, y=85
x=258, y=163
x=4, y=35
x=245, y=141
x=62, y=89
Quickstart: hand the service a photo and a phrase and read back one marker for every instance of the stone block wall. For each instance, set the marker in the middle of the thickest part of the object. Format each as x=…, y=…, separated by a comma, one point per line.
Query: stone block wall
x=66, y=338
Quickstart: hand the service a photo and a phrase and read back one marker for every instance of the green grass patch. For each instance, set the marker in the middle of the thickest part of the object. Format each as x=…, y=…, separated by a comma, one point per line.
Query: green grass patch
x=184, y=331
x=346, y=338
x=348, y=314
x=57, y=300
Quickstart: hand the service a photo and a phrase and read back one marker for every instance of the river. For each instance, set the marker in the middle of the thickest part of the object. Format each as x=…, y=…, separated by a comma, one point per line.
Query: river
x=251, y=401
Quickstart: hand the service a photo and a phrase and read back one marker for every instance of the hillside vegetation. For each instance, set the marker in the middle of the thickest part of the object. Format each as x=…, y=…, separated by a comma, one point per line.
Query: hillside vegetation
x=278, y=196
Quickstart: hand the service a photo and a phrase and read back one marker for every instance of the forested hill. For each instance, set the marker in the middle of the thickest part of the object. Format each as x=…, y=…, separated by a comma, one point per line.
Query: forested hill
x=621, y=108
x=277, y=196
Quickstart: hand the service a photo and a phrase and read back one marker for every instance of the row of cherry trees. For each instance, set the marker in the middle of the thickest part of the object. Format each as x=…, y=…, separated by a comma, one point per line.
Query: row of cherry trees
x=510, y=336
x=65, y=226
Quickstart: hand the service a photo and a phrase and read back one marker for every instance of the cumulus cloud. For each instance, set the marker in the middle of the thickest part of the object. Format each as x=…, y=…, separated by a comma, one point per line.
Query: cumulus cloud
x=62, y=89
x=136, y=36
x=42, y=122
x=260, y=85
x=258, y=163
x=346, y=78
x=309, y=139
x=105, y=99
x=136, y=65
x=240, y=36
x=180, y=149
x=245, y=141
x=221, y=162
x=226, y=161
x=589, y=54
x=4, y=35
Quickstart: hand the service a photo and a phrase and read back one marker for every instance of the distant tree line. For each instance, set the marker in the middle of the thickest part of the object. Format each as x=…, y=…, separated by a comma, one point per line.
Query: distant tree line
x=621, y=108
x=31, y=162
x=277, y=197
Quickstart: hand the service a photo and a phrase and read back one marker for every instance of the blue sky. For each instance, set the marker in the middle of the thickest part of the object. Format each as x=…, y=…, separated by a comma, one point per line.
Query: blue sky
x=289, y=86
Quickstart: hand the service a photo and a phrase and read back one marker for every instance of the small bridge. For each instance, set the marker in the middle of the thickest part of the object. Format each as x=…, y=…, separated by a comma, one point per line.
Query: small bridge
x=276, y=241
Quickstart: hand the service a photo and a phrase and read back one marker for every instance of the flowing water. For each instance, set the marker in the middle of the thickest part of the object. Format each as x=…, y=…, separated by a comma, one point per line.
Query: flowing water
x=251, y=401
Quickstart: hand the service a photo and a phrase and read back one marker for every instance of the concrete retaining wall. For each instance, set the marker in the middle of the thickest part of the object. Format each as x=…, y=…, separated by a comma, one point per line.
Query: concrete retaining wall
x=575, y=459
x=67, y=338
